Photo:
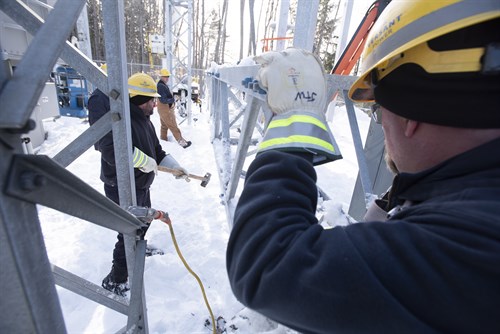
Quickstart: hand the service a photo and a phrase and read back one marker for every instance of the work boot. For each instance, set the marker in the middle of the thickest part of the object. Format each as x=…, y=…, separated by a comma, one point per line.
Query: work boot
x=184, y=143
x=119, y=288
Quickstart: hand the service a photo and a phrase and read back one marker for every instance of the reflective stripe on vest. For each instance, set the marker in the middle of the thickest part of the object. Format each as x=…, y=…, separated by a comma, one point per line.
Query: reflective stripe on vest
x=296, y=130
x=139, y=159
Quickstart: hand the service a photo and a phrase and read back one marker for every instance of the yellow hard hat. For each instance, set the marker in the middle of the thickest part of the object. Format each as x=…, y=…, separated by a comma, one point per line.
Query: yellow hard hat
x=401, y=34
x=104, y=67
x=142, y=84
x=164, y=72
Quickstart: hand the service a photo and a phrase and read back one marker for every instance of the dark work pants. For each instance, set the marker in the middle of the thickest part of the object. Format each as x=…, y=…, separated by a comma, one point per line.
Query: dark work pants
x=120, y=273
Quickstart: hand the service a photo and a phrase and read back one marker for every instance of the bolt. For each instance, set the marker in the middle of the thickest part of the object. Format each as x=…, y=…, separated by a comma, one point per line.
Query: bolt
x=114, y=94
x=31, y=180
x=246, y=81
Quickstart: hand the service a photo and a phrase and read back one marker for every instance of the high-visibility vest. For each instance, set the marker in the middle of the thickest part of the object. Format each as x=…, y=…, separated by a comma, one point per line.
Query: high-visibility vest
x=301, y=132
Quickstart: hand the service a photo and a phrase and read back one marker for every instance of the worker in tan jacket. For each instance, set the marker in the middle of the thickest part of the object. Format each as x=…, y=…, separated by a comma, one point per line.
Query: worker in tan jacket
x=166, y=110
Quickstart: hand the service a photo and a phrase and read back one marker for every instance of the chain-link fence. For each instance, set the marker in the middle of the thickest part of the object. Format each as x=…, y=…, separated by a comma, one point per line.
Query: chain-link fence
x=197, y=76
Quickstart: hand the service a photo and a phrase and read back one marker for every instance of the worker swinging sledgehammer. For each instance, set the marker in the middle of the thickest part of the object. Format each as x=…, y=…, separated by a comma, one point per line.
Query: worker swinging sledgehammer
x=204, y=179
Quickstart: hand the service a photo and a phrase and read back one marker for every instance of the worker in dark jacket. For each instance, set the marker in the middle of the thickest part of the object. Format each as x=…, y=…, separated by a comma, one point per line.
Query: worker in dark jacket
x=147, y=155
x=434, y=265
x=98, y=105
x=166, y=110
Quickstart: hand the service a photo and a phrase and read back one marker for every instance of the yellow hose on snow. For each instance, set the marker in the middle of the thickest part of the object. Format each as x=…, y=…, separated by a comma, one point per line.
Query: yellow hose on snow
x=164, y=218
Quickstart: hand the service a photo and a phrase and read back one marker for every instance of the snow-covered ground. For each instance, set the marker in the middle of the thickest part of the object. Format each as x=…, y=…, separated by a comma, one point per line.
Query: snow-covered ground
x=174, y=300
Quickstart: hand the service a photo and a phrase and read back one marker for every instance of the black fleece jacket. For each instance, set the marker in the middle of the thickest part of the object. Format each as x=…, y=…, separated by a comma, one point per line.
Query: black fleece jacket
x=434, y=267
x=143, y=137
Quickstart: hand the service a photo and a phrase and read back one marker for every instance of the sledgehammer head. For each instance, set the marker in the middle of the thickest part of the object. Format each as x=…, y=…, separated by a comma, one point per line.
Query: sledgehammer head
x=206, y=179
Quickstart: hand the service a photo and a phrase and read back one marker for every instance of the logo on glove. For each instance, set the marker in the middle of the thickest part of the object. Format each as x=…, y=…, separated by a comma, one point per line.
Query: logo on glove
x=294, y=75
x=307, y=96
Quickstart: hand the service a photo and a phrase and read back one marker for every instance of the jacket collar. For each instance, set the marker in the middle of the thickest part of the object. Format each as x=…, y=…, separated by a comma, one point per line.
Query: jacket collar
x=137, y=113
x=476, y=167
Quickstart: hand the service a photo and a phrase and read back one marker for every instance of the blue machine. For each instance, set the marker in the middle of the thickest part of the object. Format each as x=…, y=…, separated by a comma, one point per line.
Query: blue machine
x=72, y=92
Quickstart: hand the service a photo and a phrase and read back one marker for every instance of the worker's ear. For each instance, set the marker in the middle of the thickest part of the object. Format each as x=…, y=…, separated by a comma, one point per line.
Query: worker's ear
x=411, y=127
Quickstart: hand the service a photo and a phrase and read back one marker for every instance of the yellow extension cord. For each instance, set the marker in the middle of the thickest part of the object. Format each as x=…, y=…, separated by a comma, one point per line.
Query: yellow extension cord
x=169, y=223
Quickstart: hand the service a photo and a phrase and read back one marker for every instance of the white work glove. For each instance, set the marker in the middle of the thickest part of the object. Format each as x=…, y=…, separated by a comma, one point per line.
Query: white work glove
x=144, y=162
x=294, y=80
x=171, y=163
x=296, y=93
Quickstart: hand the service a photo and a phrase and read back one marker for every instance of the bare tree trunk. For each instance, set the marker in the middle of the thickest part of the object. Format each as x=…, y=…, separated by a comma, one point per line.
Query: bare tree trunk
x=196, y=35
x=242, y=19
x=218, y=41
x=176, y=46
x=203, y=40
x=324, y=32
x=251, y=41
x=221, y=36
x=224, y=25
x=95, y=27
x=142, y=46
x=202, y=34
x=272, y=8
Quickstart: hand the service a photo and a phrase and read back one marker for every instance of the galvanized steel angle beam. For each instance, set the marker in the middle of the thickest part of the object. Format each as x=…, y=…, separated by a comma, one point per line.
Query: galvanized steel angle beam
x=90, y=290
x=83, y=142
x=337, y=83
x=42, y=65
x=234, y=76
x=31, y=305
x=114, y=37
x=38, y=179
x=358, y=145
x=28, y=305
x=136, y=319
x=238, y=77
x=251, y=114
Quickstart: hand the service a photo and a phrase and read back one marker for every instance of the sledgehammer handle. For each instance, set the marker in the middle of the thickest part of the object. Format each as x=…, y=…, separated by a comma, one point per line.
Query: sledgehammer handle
x=175, y=172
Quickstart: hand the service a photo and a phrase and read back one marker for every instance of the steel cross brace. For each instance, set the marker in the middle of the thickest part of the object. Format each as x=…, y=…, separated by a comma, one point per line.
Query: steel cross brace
x=89, y=290
x=37, y=179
